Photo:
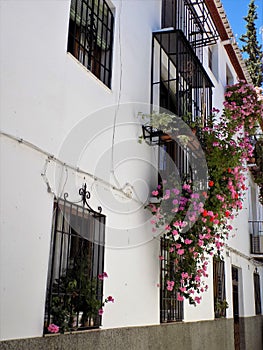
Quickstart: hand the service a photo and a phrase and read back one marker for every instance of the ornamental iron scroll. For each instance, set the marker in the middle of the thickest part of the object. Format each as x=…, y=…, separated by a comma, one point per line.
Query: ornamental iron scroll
x=85, y=195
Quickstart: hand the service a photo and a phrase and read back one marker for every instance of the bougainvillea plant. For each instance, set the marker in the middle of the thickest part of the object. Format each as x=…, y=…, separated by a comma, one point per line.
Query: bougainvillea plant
x=196, y=224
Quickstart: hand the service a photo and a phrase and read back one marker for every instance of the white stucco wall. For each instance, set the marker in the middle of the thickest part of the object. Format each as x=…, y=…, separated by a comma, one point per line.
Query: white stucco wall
x=49, y=99
x=45, y=93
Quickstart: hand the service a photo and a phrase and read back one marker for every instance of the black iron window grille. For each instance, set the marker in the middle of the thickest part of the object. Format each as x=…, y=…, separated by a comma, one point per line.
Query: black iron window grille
x=181, y=85
x=220, y=303
x=179, y=81
x=74, y=291
x=257, y=293
x=193, y=19
x=256, y=236
x=171, y=309
x=235, y=284
x=174, y=158
x=90, y=37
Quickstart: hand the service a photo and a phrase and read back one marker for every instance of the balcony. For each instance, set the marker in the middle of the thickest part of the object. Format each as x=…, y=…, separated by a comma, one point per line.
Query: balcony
x=193, y=19
x=256, y=237
x=179, y=81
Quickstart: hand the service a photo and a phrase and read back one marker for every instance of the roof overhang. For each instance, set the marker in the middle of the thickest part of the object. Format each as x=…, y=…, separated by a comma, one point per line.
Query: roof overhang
x=219, y=17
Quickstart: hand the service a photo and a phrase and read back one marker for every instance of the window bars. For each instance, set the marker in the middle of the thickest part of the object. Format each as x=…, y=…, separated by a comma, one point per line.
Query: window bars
x=170, y=308
x=181, y=85
x=220, y=304
x=193, y=19
x=257, y=293
x=235, y=285
x=256, y=236
x=74, y=291
x=90, y=36
x=179, y=81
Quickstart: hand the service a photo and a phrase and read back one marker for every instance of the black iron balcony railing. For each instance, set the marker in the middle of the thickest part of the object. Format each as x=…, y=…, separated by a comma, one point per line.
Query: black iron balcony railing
x=193, y=18
x=256, y=236
x=179, y=81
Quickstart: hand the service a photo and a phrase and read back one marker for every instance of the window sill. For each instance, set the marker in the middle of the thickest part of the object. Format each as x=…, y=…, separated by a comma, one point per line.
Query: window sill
x=106, y=88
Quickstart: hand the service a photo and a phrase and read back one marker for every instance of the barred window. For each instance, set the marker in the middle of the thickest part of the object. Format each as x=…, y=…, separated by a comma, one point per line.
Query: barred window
x=220, y=304
x=74, y=291
x=170, y=308
x=257, y=293
x=90, y=36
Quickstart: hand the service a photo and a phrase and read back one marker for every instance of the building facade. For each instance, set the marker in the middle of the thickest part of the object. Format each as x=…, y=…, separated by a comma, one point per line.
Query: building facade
x=75, y=180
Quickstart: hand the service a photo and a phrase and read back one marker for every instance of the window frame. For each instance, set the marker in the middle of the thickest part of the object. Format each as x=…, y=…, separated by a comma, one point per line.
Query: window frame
x=219, y=287
x=90, y=36
x=76, y=260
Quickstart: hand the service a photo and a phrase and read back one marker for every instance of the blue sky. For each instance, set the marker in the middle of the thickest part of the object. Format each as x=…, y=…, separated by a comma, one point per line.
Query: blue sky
x=236, y=10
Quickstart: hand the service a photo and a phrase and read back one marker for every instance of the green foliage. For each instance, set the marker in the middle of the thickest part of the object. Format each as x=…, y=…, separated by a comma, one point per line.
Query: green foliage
x=159, y=121
x=75, y=293
x=251, y=46
x=220, y=308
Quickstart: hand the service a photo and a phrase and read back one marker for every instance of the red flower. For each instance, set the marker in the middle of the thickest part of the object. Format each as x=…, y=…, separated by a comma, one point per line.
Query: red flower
x=205, y=213
x=211, y=183
x=227, y=213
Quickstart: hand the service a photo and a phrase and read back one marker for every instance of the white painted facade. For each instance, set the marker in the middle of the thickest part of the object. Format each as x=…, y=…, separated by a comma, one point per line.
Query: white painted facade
x=55, y=105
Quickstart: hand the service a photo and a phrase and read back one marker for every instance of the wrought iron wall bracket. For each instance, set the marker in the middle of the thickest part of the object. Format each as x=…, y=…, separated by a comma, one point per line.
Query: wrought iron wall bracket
x=85, y=195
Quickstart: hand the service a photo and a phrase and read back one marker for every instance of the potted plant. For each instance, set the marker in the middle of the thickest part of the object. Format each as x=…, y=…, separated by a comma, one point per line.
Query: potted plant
x=220, y=308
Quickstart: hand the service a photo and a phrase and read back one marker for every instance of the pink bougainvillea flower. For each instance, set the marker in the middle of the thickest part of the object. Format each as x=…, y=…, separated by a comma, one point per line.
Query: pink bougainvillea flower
x=52, y=328
x=155, y=193
x=198, y=299
x=197, y=278
x=215, y=110
x=100, y=312
x=229, y=139
x=175, y=191
x=110, y=299
x=179, y=297
x=180, y=251
x=184, y=275
x=170, y=285
x=102, y=276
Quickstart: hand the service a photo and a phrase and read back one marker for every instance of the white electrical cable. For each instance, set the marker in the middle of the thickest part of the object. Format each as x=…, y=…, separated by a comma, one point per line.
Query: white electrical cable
x=51, y=157
x=118, y=101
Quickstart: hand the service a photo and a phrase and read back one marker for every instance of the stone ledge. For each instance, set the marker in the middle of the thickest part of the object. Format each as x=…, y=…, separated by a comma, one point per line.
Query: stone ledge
x=203, y=335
